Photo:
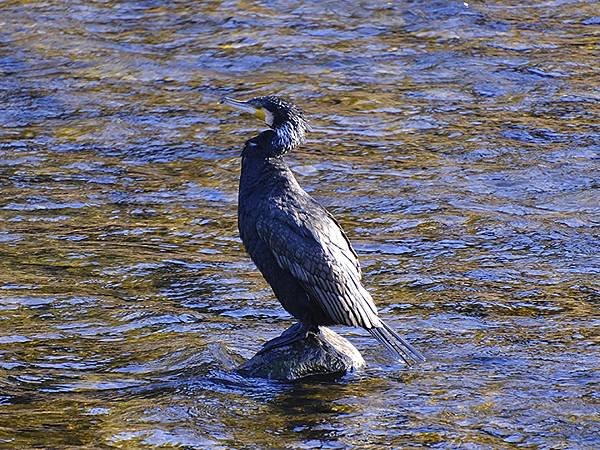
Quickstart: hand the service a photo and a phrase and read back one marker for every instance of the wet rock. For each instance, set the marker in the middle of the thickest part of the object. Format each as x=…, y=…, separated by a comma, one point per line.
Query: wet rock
x=323, y=355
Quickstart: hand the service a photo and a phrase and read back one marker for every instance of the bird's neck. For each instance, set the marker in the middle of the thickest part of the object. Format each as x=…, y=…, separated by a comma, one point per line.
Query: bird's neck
x=261, y=175
x=275, y=142
x=259, y=171
x=286, y=137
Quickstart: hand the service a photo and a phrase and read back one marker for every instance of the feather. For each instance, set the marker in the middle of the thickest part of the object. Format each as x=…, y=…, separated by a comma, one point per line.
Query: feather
x=395, y=344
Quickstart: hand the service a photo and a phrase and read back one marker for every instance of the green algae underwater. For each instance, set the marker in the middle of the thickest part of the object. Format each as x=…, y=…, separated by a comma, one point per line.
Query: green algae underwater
x=457, y=144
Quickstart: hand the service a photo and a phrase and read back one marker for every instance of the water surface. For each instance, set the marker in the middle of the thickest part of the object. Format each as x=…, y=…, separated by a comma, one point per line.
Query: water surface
x=456, y=143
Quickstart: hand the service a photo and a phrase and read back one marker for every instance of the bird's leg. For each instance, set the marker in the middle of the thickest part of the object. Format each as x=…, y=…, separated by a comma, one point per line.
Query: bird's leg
x=296, y=332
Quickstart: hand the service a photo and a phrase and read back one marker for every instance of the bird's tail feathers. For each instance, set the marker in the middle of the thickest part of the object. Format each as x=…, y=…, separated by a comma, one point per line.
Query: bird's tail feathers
x=396, y=344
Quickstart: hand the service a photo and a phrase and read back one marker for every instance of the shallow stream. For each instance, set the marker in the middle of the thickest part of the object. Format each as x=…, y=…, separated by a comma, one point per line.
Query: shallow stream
x=456, y=143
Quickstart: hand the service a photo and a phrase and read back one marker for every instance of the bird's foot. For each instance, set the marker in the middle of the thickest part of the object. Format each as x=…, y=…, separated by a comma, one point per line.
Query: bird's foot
x=296, y=332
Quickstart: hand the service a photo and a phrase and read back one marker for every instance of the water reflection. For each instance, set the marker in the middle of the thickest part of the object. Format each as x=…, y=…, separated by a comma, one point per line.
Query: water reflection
x=456, y=144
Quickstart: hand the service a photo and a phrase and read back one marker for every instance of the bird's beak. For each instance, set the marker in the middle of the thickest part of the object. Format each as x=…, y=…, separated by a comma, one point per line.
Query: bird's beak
x=261, y=113
x=242, y=106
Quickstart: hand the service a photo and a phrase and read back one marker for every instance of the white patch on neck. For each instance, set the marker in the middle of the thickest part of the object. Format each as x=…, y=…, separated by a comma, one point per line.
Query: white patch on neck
x=269, y=119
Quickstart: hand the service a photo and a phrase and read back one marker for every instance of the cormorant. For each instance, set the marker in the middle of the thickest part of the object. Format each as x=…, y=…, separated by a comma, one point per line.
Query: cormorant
x=297, y=245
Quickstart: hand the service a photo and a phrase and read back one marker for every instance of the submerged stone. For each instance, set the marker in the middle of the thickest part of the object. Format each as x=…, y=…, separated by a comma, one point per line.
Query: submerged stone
x=324, y=355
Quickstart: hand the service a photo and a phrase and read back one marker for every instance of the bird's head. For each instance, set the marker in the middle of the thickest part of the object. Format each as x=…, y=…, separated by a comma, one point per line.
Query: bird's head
x=286, y=120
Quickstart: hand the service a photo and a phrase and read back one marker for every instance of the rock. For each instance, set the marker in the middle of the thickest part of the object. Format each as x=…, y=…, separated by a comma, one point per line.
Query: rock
x=323, y=355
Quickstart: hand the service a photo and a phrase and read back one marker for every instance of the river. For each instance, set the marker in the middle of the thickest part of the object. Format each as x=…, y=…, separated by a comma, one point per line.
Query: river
x=457, y=144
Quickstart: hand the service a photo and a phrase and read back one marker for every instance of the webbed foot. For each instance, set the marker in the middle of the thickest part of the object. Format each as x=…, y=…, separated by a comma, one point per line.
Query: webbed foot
x=296, y=332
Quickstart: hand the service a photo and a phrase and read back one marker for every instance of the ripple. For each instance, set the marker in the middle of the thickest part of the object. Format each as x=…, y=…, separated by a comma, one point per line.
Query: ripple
x=455, y=142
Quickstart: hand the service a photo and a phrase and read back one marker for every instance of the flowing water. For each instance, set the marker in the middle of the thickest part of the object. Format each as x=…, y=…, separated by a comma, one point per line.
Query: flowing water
x=456, y=143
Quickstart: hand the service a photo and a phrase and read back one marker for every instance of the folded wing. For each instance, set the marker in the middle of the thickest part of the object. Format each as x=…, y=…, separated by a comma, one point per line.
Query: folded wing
x=319, y=255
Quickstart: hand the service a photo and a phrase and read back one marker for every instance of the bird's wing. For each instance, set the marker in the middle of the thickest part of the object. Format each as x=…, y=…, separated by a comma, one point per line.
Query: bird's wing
x=347, y=248
x=310, y=244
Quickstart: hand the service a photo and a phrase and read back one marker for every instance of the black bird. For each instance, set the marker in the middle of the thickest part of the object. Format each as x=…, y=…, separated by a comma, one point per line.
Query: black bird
x=297, y=245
